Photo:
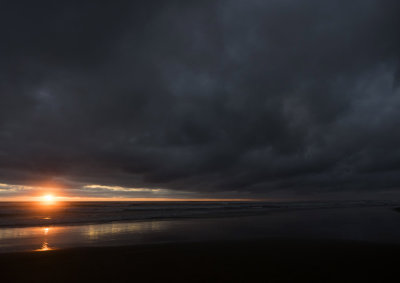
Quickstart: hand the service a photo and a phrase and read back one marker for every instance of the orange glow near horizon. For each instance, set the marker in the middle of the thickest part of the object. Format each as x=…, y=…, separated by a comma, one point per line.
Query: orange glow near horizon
x=53, y=193
x=51, y=199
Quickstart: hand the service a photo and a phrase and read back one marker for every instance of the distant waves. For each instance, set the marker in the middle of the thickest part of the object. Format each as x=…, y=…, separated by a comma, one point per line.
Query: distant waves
x=25, y=214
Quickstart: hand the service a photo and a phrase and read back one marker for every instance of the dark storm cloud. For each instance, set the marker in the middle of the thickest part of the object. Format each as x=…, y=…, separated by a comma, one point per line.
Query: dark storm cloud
x=250, y=98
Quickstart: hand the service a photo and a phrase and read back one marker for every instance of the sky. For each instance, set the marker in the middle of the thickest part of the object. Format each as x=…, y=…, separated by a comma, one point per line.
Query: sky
x=278, y=99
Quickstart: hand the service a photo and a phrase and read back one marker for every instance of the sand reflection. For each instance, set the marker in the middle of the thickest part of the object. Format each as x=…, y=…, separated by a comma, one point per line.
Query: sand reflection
x=31, y=238
x=26, y=232
x=56, y=237
x=95, y=232
x=45, y=244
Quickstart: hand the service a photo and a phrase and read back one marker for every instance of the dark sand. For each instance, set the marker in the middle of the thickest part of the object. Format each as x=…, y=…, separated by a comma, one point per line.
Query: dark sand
x=269, y=260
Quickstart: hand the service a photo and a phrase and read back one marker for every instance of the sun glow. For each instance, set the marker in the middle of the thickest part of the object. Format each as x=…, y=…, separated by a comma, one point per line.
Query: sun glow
x=48, y=199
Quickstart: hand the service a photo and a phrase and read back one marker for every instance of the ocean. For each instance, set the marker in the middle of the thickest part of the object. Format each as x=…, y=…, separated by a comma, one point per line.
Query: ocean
x=26, y=226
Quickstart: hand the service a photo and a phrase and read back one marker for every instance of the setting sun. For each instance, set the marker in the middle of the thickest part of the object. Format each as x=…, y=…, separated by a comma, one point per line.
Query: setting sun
x=48, y=199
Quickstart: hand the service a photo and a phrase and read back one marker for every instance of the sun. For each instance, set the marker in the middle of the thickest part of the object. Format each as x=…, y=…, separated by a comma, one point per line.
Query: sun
x=48, y=199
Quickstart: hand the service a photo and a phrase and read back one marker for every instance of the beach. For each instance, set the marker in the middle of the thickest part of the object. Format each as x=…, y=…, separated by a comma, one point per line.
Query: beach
x=300, y=242
x=267, y=260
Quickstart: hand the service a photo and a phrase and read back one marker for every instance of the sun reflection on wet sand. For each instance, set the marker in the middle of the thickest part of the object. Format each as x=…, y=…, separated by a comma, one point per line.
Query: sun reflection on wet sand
x=94, y=232
x=26, y=232
x=45, y=245
x=48, y=238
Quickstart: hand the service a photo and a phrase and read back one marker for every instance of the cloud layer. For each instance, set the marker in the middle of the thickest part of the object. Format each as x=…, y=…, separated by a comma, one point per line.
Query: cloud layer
x=248, y=98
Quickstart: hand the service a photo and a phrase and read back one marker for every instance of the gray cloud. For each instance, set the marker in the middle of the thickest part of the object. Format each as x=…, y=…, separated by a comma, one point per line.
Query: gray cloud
x=252, y=98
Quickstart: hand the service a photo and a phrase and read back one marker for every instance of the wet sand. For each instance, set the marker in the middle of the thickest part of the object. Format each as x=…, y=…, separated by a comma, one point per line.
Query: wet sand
x=267, y=260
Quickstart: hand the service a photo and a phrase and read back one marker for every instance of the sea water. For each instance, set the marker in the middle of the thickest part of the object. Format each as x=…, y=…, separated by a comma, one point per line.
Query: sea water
x=31, y=226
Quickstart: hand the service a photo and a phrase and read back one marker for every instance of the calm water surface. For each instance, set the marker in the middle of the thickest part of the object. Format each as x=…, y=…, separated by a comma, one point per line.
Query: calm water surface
x=374, y=224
